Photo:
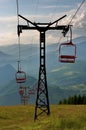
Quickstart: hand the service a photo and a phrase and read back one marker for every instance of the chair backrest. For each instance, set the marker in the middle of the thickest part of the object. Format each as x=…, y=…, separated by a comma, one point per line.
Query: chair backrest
x=67, y=52
x=20, y=77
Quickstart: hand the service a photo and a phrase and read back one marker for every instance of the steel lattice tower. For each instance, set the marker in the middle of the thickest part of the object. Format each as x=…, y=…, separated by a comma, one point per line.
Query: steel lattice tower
x=42, y=99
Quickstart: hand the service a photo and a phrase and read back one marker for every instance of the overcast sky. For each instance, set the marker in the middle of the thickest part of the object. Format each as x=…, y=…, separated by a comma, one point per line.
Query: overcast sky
x=40, y=11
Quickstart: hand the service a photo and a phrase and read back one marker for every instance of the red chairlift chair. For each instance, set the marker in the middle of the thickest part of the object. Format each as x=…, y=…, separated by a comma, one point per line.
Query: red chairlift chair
x=21, y=91
x=20, y=75
x=31, y=91
x=67, y=58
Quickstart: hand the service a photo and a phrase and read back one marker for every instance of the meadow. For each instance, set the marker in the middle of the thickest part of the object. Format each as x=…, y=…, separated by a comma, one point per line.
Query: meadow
x=62, y=117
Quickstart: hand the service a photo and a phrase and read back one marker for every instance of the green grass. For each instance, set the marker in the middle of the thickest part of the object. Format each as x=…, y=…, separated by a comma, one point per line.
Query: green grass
x=62, y=117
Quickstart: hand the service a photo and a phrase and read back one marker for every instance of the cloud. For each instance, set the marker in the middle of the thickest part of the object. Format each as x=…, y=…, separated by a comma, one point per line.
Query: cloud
x=8, y=26
x=80, y=20
x=54, y=6
x=8, y=30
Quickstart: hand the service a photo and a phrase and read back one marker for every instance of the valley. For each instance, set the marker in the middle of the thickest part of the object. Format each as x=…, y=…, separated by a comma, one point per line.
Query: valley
x=63, y=79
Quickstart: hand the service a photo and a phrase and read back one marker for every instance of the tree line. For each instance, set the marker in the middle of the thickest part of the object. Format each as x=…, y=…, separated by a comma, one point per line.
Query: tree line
x=76, y=99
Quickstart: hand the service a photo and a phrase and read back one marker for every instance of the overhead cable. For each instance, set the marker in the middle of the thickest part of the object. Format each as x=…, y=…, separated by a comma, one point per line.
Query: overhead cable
x=76, y=11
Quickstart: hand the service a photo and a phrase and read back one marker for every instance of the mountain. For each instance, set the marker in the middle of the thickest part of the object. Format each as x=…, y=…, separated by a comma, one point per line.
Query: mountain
x=2, y=54
x=7, y=73
x=79, y=39
x=64, y=79
x=9, y=94
x=67, y=80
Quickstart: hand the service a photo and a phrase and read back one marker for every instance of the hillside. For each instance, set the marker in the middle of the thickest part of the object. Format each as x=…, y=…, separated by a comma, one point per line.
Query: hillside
x=9, y=93
x=62, y=117
x=7, y=73
x=63, y=79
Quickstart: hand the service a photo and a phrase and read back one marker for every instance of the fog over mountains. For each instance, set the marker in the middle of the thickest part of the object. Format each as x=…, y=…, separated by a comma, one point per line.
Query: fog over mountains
x=63, y=79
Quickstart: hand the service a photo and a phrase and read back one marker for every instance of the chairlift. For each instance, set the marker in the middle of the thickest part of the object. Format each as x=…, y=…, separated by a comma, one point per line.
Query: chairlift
x=67, y=51
x=31, y=91
x=20, y=75
x=21, y=91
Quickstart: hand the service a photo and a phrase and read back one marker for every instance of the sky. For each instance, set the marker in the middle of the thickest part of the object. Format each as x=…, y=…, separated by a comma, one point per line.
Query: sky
x=40, y=11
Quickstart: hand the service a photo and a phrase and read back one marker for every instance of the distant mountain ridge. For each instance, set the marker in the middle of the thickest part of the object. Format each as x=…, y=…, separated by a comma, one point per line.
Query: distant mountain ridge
x=63, y=79
x=7, y=73
x=2, y=54
x=80, y=39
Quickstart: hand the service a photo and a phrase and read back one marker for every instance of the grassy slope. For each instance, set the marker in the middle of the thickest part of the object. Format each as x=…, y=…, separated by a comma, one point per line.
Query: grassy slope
x=63, y=117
